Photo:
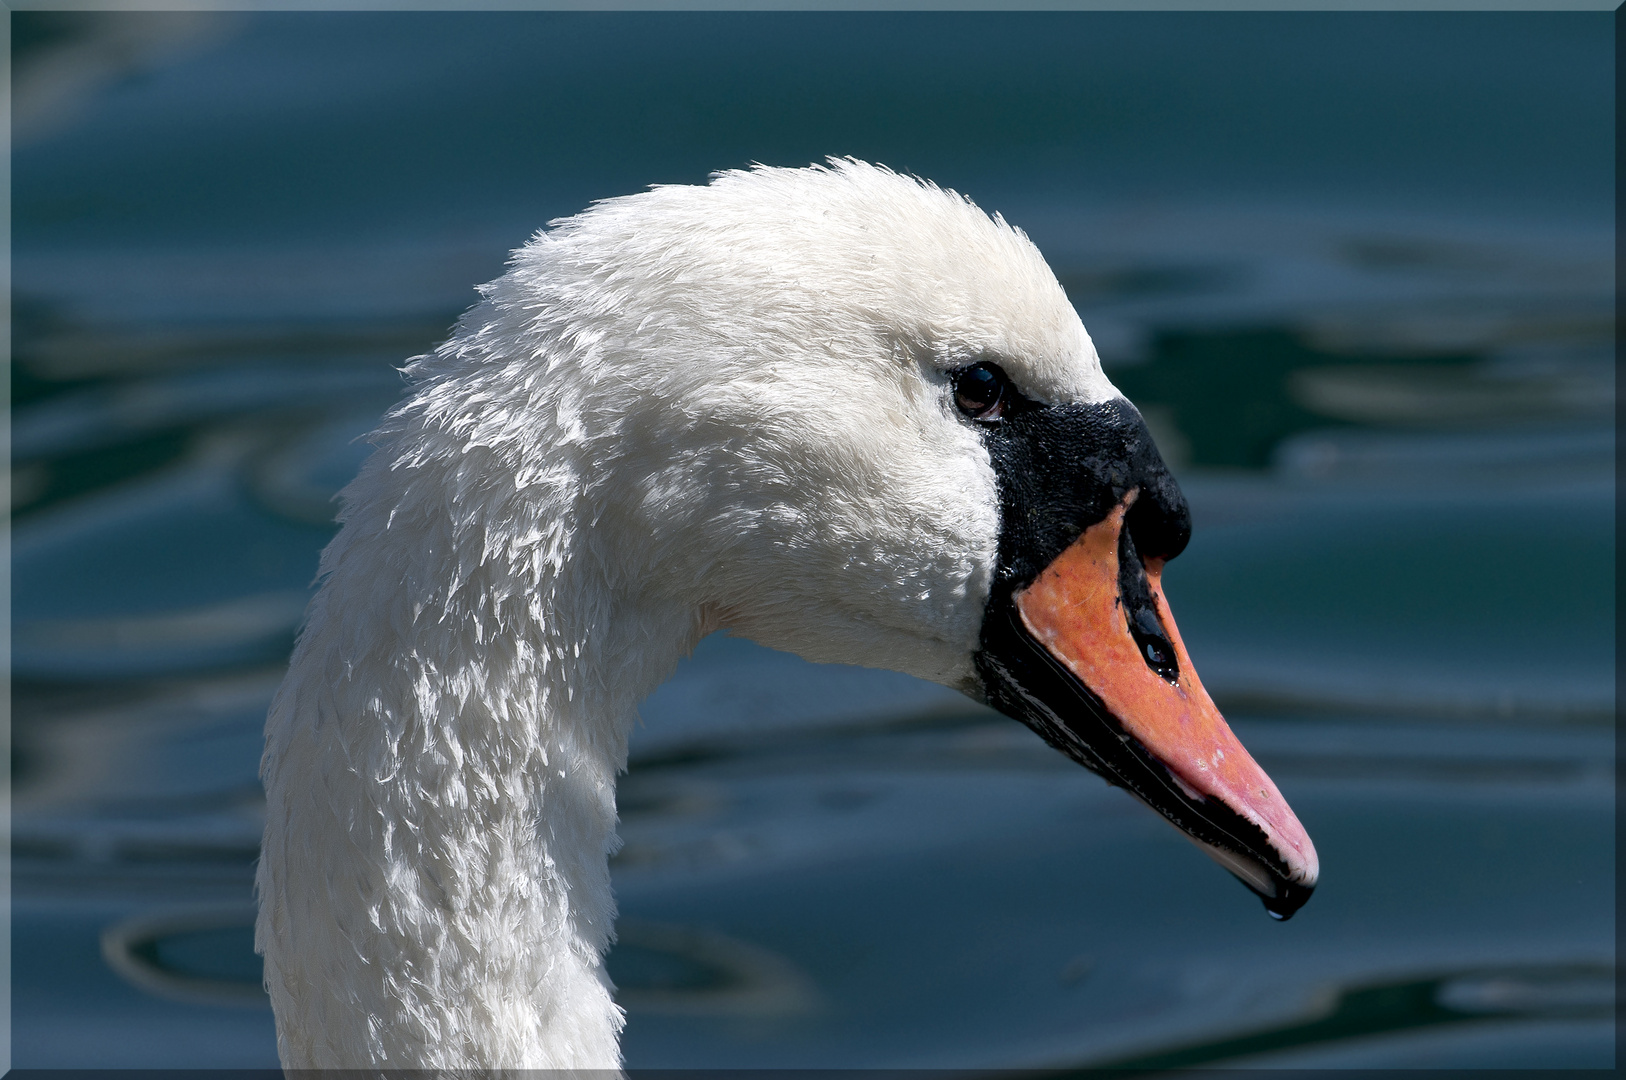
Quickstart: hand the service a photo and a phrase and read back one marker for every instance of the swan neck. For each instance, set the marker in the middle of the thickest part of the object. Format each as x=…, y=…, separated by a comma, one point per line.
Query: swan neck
x=440, y=778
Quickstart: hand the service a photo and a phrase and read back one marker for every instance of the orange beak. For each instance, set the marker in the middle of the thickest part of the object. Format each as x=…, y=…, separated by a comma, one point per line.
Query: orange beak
x=1101, y=614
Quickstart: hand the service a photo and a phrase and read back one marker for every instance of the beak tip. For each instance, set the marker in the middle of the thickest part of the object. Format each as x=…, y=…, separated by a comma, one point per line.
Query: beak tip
x=1289, y=897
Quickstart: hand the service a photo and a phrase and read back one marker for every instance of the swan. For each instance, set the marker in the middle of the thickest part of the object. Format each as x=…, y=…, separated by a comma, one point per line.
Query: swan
x=837, y=410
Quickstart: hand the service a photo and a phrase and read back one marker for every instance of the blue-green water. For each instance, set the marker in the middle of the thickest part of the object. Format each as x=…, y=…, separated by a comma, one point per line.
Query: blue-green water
x=1357, y=271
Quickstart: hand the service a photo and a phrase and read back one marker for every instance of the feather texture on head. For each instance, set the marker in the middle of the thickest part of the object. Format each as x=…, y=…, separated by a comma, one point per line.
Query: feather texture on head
x=729, y=406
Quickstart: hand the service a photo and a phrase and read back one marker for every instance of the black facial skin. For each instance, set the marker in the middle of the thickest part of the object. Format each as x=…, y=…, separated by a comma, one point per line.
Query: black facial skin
x=1062, y=469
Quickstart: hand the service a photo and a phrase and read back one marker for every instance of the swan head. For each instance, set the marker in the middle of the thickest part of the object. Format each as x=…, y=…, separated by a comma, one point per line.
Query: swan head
x=847, y=414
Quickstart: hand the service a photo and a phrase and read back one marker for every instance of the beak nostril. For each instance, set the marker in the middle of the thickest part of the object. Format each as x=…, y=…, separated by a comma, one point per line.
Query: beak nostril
x=1135, y=593
x=1155, y=650
x=1153, y=644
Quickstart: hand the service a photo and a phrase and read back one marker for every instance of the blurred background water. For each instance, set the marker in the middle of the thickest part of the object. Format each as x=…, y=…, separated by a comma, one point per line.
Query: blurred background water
x=1357, y=272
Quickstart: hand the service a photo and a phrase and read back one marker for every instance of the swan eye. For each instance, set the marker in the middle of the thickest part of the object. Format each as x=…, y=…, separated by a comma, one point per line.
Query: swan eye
x=979, y=391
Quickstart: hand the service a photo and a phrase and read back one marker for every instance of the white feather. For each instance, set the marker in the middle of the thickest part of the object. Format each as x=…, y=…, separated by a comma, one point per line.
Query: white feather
x=691, y=408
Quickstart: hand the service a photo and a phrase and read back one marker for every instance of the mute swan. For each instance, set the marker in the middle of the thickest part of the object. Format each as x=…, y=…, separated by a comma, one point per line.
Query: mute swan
x=834, y=409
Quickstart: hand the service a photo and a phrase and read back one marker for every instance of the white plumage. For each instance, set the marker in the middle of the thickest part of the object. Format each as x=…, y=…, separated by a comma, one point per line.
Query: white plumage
x=686, y=409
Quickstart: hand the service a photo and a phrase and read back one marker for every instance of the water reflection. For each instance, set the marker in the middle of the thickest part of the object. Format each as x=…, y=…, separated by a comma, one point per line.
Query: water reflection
x=1397, y=438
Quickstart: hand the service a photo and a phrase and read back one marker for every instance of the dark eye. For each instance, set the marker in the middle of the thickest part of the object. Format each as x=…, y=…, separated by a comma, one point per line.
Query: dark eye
x=979, y=391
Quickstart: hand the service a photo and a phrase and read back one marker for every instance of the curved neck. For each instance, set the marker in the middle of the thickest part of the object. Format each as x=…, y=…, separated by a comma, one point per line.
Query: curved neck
x=440, y=778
